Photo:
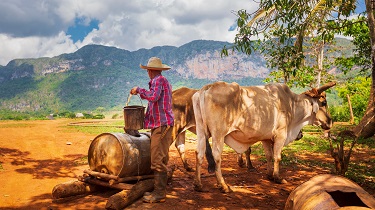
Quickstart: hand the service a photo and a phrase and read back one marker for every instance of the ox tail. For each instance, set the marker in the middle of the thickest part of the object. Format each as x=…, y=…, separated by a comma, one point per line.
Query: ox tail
x=202, y=129
x=210, y=158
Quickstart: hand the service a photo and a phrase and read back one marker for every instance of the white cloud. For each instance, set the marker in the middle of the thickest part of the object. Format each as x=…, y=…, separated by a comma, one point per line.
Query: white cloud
x=31, y=29
x=34, y=47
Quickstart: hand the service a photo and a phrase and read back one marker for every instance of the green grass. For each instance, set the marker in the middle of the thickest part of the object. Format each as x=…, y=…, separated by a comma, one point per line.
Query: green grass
x=81, y=161
x=96, y=127
x=363, y=173
x=310, y=143
x=366, y=143
x=96, y=130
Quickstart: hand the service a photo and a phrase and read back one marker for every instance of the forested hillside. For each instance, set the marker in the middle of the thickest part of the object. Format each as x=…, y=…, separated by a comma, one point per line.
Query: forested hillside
x=100, y=76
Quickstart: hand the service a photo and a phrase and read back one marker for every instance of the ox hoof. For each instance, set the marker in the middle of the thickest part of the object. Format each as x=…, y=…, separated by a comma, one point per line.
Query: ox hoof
x=241, y=164
x=270, y=177
x=226, y=190
x=252, y=169
x=280, y=181
x=198, y=188
x=276, y=180
x=189, y=169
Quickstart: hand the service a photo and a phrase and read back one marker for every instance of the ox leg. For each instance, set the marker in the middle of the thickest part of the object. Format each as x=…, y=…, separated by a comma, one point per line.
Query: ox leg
x=249, y=165
x=267, y=146
x=201, y=147
x=180, y=145
x=217, y=149
x=240, y=161
x=278, y=145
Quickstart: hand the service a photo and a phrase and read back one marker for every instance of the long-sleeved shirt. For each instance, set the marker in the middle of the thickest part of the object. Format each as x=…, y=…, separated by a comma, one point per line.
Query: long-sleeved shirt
x=159, y=110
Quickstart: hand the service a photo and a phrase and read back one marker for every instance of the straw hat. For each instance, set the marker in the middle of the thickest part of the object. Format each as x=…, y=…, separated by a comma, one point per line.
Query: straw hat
x=155, y=63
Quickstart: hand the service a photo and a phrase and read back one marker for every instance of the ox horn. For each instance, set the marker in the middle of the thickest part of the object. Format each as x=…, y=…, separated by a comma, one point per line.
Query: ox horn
x=325, y=87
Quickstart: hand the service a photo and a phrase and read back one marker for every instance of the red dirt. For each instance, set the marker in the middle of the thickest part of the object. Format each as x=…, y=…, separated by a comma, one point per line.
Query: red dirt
x=35, y=156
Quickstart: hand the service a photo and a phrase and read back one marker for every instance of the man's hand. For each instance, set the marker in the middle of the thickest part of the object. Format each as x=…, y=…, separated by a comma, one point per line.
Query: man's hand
x=133, y=91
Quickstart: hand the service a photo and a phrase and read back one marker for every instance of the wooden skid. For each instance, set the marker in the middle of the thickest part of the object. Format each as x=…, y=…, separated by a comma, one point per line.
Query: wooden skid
x=92, y=181
x=115, y=179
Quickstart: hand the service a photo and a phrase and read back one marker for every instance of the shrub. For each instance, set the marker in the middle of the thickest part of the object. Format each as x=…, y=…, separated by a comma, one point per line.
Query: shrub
x=71, y=115
x=87, y=116
x=340, y=113
x=98, y=116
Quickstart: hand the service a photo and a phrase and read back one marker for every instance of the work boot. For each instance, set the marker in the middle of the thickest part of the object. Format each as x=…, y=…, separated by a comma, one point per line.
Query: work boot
x=159, y=193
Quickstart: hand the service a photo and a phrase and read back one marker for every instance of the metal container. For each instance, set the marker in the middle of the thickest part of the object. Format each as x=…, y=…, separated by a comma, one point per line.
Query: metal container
x=120, y=154
x=134, y=117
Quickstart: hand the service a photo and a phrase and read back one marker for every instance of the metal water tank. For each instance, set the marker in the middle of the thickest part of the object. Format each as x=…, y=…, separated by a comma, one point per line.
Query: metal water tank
x=120, y=154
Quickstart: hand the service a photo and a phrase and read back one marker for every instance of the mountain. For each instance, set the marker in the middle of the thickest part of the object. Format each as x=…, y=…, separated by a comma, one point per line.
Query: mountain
x=100, y=76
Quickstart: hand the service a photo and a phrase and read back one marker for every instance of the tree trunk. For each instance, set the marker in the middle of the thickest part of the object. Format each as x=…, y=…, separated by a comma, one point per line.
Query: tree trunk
x=320, y=57
x=366, y=127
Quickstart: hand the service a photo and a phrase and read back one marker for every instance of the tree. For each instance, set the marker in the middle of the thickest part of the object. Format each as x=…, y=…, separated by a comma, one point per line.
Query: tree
x=360, y=61
x=285, y=24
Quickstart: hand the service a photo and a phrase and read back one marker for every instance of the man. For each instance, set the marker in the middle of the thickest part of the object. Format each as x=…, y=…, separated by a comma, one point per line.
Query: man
x=159, y=118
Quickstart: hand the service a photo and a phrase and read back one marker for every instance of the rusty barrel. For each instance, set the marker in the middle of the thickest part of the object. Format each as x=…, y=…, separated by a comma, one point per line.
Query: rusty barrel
x=134, y=117
x=120, y=154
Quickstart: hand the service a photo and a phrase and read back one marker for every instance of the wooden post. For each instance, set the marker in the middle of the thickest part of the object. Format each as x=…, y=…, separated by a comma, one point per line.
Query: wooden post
x=351, y=110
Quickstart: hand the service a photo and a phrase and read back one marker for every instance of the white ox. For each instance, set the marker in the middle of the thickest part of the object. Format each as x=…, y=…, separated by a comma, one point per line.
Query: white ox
x=241, y=116
x=182, y=106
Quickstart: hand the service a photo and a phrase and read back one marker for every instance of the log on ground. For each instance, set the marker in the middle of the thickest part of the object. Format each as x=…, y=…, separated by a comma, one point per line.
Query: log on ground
x=73, y=188
x=126, y=197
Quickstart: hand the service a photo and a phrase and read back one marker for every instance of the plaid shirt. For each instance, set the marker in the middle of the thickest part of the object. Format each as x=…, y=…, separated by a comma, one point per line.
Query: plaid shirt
x=159, y=109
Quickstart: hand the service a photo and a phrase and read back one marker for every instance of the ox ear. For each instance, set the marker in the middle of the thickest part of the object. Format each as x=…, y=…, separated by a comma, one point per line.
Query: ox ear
x=315, y=107
x=312, y=93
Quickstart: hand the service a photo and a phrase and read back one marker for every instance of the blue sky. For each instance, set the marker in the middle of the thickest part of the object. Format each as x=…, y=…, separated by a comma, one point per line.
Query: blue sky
x=80, y=29
x=40, y=28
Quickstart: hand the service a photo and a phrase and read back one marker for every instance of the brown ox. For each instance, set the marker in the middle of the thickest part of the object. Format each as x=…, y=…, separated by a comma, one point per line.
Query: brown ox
x=184, y=120
x=242, y=116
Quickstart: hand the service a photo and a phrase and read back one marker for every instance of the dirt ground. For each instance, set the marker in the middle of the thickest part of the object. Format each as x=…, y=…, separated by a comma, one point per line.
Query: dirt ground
x=37, y=155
